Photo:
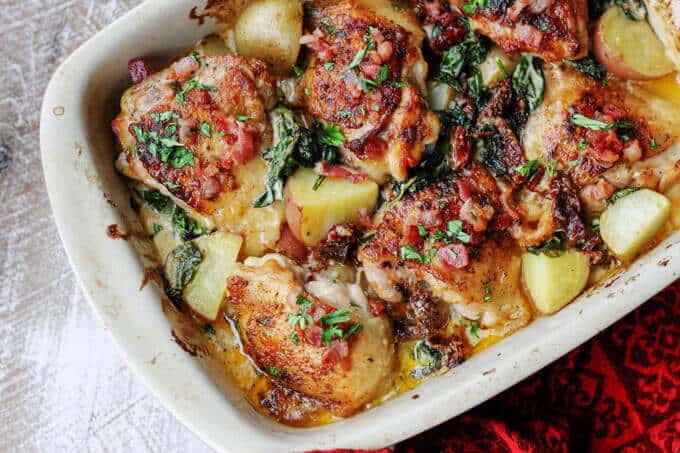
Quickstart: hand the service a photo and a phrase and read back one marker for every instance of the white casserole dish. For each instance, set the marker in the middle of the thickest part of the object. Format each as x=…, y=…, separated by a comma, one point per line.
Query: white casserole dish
x=87, y=195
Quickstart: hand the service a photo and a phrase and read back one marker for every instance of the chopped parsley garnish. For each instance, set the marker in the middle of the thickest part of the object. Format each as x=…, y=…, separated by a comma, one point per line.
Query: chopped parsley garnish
x=358, y=57
x=294, y=338
x=410, y=253
x=367, y=85
x=595, y=125
x=501, y=66
x=308, y=92
x=191, y=85
x=205, y=129
x=330, y=327
x=398, y=84
x=551, y=167
x=422, y=231
x=329, y=66
x=273, y=371
x=301, y=318
x=299, y=72
x=473, y=328
x=575, y=163
x=471, y=7
x=171, y=185
x=487, y=291
x=241, y=117
x=454, y=231
x=620, y=194
x=164, y=117
x=197, y=58
x=402, y=191
x=529, y=169
x=653, y=144
x=329, y=28
x=384, y=73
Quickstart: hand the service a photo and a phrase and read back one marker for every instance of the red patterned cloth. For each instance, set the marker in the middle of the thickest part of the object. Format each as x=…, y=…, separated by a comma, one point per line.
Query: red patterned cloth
x=618, y=392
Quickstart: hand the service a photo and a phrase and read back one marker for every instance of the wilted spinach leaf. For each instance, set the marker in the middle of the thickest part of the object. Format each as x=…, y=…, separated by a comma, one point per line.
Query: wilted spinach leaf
x=491, y=152
x=186, y=227
x=181, y=265
x=528, y=82
x=589, y=66
x=429, y=359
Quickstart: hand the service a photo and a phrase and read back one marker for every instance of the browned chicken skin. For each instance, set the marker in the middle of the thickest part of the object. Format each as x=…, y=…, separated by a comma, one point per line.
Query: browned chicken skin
x=359, y=77
x=343, y=372
x=552, y=29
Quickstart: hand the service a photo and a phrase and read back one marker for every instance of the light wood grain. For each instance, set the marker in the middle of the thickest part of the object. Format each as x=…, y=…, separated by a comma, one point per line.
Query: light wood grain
x=63, y=384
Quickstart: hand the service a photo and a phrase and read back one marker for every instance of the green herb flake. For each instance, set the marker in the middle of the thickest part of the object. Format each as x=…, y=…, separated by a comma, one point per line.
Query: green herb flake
x=294, y=338
x=205, y=129
x=329, y=66
x=384, y=73
x=529, y=169
x=273, y=371
x=620, y=194
x=422, y=231
x=241, y=117
x=358, y=57
x=473, y=329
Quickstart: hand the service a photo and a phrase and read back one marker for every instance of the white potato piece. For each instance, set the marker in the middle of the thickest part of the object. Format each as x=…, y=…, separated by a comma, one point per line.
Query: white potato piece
x=206, y=291
x=633, y=220
x=553, y=282
x=270, y=30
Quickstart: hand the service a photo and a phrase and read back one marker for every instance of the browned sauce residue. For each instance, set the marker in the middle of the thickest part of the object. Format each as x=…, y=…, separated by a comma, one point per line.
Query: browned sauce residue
x=113, y=232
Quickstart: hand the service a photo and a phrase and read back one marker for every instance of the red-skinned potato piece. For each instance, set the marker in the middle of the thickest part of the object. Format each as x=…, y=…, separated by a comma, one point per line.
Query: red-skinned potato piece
x=311, y=212
x=628, y=48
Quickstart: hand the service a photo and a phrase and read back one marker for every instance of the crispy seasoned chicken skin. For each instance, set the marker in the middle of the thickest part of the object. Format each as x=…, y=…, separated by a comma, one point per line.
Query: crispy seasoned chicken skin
x=195, y=131
x=345, y=371
x=629, y=126
x=552, y=29
x=458, y=265
x=363, y=75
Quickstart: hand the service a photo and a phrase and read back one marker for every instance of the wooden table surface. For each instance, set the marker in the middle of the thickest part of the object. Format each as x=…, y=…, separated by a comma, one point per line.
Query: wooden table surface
x=63, y=384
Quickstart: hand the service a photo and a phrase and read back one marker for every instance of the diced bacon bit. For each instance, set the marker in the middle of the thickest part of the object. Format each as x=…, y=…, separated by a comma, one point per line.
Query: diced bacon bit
x=237, y=135
x=595, y=195
x=313, y=335
x=184, y=68
x=339, y=350
x=454, y=256
x=476, y=215
x=605, y=146
x=365, y=220
x=374, y=148
x=413, y=236
x=138, y=70
x=325, y=168
x=186, y=129
x=464, y=190
x=315, y=42
x=317, y=312
x=614, y=112
x=632, y=151
x=115, y=125
x=385, y=50
x=211, y=187
x=290, y=246
x=376, y=307
x=460, y=150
